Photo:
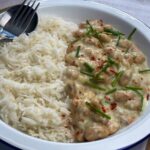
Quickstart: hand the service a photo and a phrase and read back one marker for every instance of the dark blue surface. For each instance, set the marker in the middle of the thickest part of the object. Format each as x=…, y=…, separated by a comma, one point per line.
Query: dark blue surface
x=135, y=144
x=6, y=146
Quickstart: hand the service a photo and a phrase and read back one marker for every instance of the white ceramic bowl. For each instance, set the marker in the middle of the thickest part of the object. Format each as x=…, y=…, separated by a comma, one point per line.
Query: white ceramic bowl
x=78, y=11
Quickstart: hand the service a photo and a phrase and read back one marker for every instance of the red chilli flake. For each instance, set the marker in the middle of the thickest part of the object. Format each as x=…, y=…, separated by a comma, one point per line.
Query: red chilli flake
x=77, y=133
x=148, y=96
x=113, y=106
x=98, y=68
x=103, y=109
x=101, y=22
x=93, y=58
x=107, y=98
x=100, y=64
x=63, y=115
x=77, y=97
x=74, y=64
x=112, y=71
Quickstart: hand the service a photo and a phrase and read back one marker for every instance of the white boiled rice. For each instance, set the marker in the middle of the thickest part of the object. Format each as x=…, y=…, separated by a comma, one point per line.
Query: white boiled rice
x=32, y=97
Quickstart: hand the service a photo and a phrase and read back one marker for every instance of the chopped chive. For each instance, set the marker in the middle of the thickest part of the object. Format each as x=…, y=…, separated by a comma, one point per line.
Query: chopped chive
x=97, y=111
x=106, y=103
x=90, y=30
x=118, y=40
x=131, y=34
x=78, y=51
x=111, y=91
x=93, y=32
x=113, y=32
x=133, y=88
x=136, y=90
x=143, y=71
x=74, y=41
x=86, y=73
x=88, y=67
x=127, y=50
x=94, y=85
x=96, y=80
x=117, y=78
x=142, y=99
x=88, y=23
x=112, y=62
x=104, y=69
x=101, y=44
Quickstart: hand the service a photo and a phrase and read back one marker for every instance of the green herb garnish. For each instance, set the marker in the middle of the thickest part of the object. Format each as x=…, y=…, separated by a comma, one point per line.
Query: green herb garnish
x=136, y=90
x=117, y=78
x=113, y=32
x=104, y=69
x=91, y=31
x=74, y=41
x=94, y=85
x=144, y=71
x=78, y=51
x=88, y=67
x=142, y=99
x=112, y=62
x=111, y=91
x=127, y=50
x=131, y=34
x=86, y=73
x=118, y=40
x=97, y=111
x=87, y=70
x=96, y=80
x=133, y=88
x=106, y=103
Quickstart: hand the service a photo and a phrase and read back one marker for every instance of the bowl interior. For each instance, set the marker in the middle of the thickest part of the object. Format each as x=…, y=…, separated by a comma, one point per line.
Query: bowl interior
x=79, y=14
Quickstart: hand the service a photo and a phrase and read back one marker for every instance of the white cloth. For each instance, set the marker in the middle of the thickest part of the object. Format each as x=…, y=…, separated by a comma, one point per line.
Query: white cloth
x=137, y=8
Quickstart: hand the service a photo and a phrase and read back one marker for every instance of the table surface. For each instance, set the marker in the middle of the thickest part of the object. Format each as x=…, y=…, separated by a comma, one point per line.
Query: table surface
x=132, y=7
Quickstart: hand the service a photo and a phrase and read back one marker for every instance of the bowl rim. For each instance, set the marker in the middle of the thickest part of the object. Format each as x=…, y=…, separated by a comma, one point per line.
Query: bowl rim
x=120, y=141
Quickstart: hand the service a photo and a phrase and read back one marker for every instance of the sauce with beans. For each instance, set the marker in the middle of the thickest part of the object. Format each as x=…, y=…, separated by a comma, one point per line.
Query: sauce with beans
x=107, y=88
